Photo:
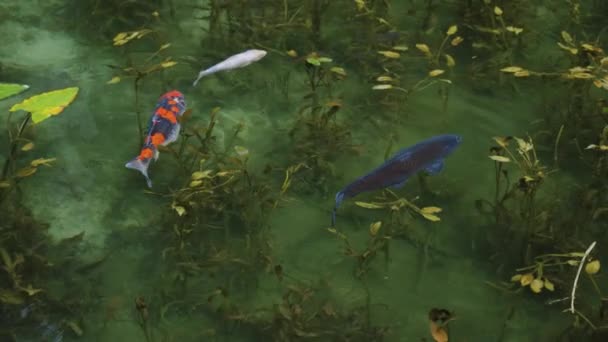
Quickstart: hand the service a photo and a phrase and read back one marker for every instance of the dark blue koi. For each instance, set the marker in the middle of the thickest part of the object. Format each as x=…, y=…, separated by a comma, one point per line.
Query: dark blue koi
x=427, y=155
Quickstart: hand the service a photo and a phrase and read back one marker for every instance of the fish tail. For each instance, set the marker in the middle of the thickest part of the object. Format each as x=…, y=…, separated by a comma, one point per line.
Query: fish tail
x=202, y=74
x=141, y=165
x=339, y=199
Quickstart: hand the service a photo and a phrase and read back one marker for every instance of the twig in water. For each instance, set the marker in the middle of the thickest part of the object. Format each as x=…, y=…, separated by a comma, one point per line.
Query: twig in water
x=578, y=273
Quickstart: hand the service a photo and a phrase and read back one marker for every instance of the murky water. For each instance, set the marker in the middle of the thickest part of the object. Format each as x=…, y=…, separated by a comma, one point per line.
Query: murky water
x=129, y=232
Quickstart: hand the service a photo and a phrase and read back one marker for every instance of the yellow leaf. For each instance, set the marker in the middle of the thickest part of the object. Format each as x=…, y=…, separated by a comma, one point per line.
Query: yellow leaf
x=430, y=210
x=155, y=14
x=26, y=171
x=567, y=37
x=400, y=48
x=522, y=73
x=516, y=30
x=438, y=333
x=292, y=53
x=164, y=46
x=516, y=278
x=201, y=174
x=384, y=79
x=180, y=210
x=30, y=290
x=502, y=141
x=168, y=64
x=42, y=161
x=511, y=69
x=549, y=285
x=338, y=70
x=526, y=279
x=537, y=285
x=114, y=80
x=436, y=72
x=457, y=40
x=382, y=86
x=120, y=36
x=572, y=50
x=27, y=147
x=500, y=159
x=390, y=54
x=452, y=30
x=592, y=267
x=497, y=10
x=368, y=205
x=42, y=106
x=10, y=89
x=424, y=48
x=5, y=184
x=374, y=228
x=195, y=183
x=431, y=217
x=449, y=61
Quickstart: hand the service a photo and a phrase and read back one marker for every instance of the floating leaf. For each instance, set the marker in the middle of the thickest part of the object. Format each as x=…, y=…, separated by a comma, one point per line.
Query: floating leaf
x=168, y=64
x=114, y=80
x=567, y=37
x=313, y=60
x=374, y=228
x=436, y=72
x=26, y=172
x=572, y=50
x=526, y=279
x=382, y=86
x=457, y=40
x=390, y=54
x=549, y=285
x=592, y=267
x=516, y=278
x=42, y=161
x=325, y=59
x=368, y=205
x=201, y=174
x=522, y=73
x=42, y=106
x=512, y=69
x=537, y=285
x=27, y=147
x=449, y=60
x=10, y=89
x=195, y=183
x=431, y=217
x=424, y=48
x=384, y=79
x=516, y=30
x=452, y=30
x=497, y=10
x=338, y=70
x=500, y=159
x=400, y=48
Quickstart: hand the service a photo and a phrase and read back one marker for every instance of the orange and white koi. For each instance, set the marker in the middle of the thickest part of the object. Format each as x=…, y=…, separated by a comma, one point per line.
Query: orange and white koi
x=163, y=129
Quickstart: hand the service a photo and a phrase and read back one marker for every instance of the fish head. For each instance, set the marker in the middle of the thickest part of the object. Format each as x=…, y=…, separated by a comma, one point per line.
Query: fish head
x=449, y=142
x=176, y=97
x=256, y=55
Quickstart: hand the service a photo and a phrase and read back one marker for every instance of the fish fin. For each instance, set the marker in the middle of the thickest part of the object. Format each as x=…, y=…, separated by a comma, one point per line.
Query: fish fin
x=173, y=135
x=339, y=198
x=141, y=166
x=435, y=167
x=399, y=185
x=156, y=154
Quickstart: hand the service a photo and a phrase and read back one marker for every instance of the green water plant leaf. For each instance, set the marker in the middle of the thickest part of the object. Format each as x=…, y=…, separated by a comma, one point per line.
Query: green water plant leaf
x=10, y=89
x=44, y=105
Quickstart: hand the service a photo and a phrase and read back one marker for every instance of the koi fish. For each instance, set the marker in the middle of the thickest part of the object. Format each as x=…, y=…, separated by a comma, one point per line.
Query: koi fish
x=240, y=60
x=163, y=129
x=427, y=155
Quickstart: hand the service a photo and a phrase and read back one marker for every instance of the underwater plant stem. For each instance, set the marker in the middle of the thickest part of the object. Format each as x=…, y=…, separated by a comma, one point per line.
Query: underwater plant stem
x=13, y=150
x=559, y=136
x=578, y=273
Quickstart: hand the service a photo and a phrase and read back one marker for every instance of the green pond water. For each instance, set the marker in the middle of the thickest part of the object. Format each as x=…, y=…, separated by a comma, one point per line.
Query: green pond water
x=460, y=263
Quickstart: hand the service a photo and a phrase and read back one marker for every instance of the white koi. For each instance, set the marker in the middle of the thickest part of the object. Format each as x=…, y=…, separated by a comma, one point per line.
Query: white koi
x=240, y=60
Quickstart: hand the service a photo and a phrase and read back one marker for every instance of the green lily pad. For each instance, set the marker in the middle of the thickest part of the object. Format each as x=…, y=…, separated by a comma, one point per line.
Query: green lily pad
x=10, y=89
x=43, y=106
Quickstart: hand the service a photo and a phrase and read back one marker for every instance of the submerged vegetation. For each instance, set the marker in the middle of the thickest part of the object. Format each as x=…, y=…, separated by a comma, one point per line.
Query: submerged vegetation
x=348, y=78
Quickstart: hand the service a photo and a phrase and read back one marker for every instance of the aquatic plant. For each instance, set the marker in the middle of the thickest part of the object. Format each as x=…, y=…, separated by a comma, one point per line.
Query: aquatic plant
x=318, y=137
x=138, y=68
